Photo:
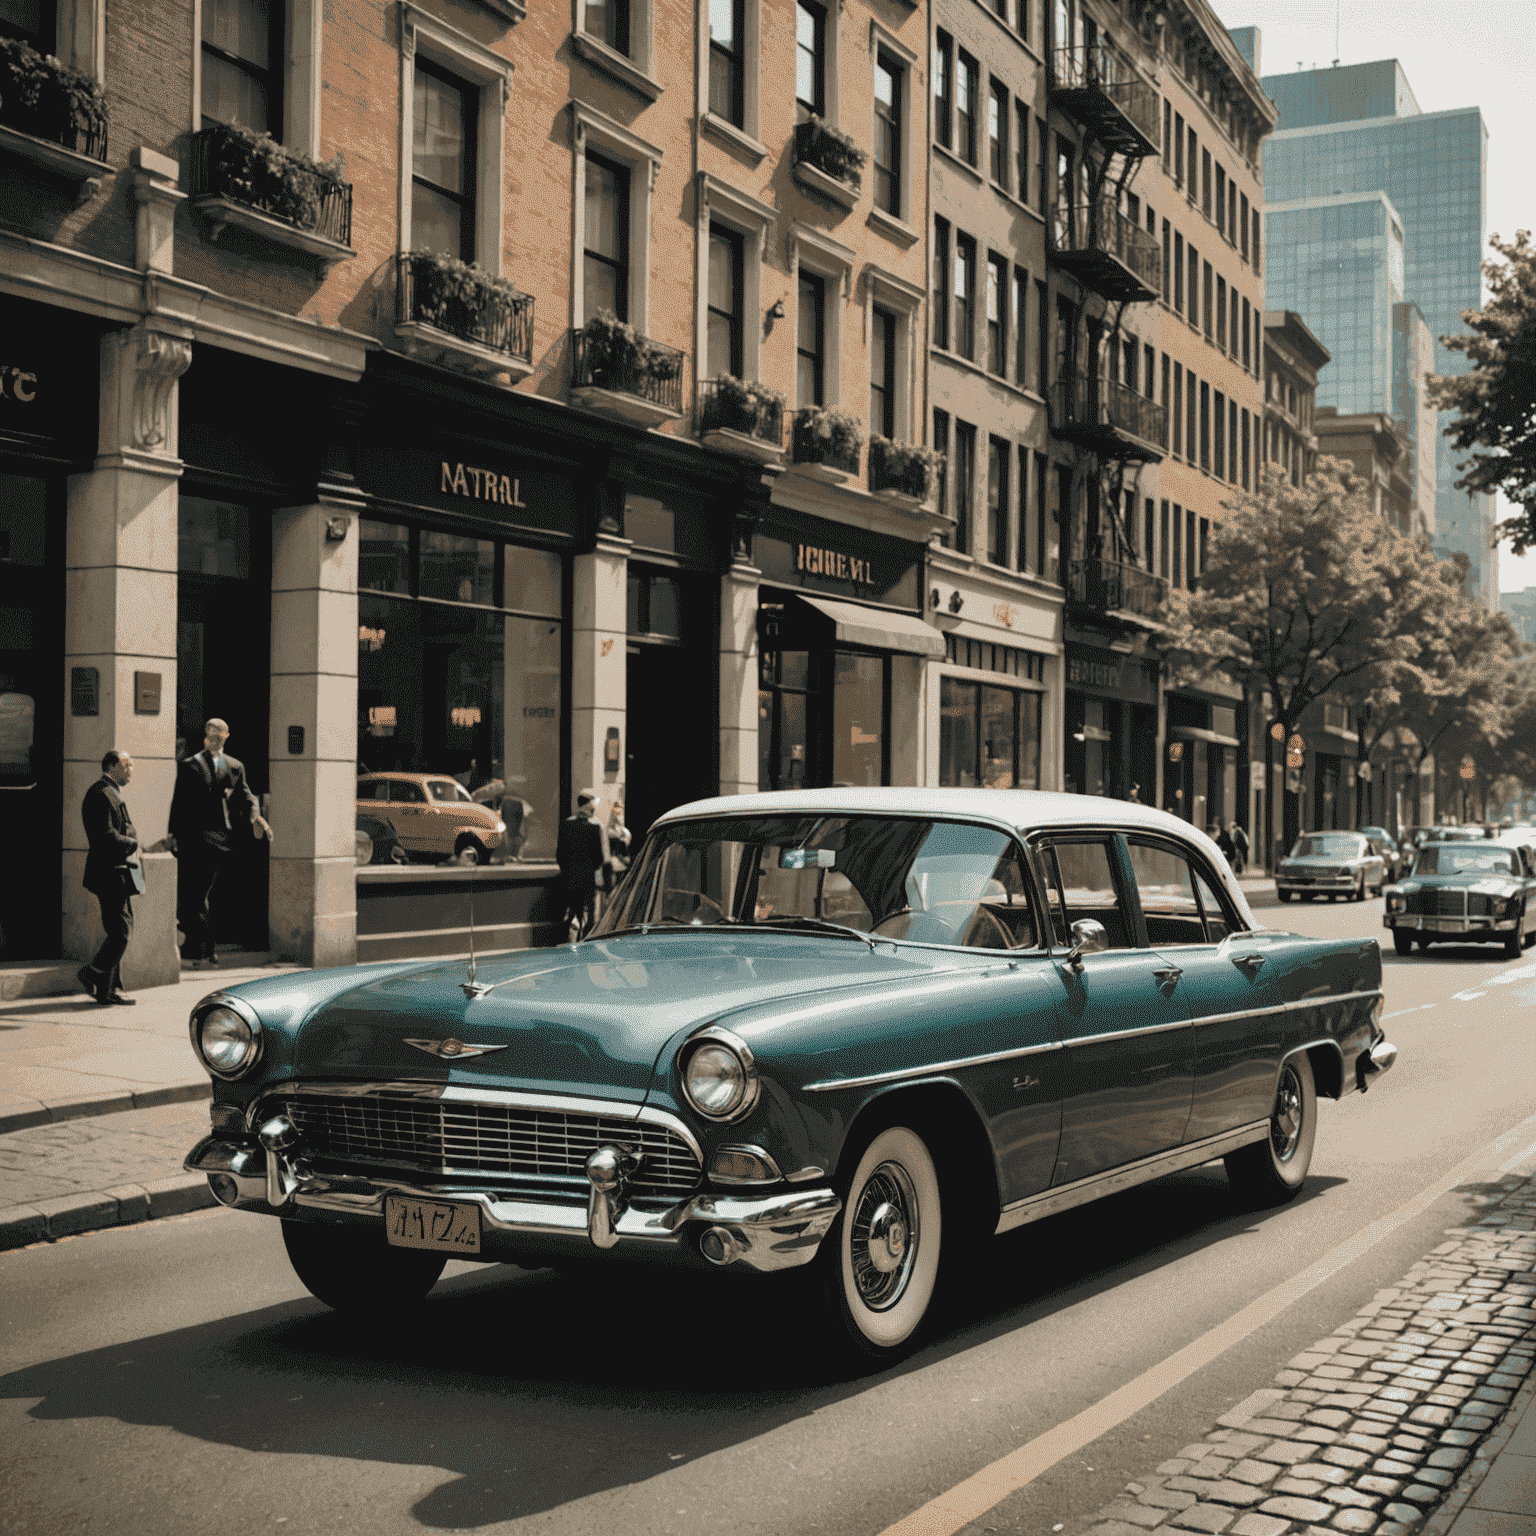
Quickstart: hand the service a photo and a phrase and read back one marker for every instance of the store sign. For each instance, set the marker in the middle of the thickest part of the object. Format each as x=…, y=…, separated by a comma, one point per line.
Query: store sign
x=836, y=563
x=1109, y=672
x=477, y=484
x=17, y=384
x=827, y=557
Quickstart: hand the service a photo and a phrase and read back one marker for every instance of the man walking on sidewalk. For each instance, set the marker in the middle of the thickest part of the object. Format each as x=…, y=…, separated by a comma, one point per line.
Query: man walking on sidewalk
x=210, y=799
x=113, y=874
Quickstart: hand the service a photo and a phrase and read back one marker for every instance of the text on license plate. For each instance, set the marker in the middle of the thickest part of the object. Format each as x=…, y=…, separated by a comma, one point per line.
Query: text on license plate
x=1445, y=924
x=443, y=1226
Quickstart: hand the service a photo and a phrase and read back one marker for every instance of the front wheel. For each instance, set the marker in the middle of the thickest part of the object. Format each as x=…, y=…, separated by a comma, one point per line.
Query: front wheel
x=1271, y=1171
x=1359, y=892
x=881, y=1258
x=468, y=850
x=1402, y=941
x=355, y=1270
x=1514, y=945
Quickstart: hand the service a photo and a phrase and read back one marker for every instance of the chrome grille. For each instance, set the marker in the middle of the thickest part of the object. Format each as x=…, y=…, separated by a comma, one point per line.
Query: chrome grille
x=437, y=1136
x=1438, y=903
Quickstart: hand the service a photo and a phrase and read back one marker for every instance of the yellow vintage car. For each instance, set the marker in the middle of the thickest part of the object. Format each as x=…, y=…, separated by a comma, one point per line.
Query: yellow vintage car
x=432, y=815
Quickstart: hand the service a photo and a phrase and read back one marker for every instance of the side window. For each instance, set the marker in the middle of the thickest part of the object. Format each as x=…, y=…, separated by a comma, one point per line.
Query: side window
x=1004, y=918
x=1165, y=885
x=1219, y=920
x=1080, y=882
x=369, y=789
x=403, y=791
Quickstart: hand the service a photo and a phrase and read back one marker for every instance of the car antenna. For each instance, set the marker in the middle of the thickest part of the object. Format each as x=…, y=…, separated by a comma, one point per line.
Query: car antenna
x=470, y=987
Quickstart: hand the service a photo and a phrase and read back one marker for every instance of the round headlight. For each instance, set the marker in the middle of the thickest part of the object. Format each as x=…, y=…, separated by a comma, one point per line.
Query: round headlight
x=719, y=1077
x=227, y=1041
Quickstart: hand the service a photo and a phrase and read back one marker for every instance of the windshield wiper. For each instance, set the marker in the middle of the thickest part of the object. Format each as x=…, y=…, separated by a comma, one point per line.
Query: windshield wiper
x=794, y=923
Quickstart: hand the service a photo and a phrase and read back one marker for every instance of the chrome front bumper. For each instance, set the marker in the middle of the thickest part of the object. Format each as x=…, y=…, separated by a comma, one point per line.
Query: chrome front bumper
x=1449, y=927
x=1328, y=883
x=764, y=1232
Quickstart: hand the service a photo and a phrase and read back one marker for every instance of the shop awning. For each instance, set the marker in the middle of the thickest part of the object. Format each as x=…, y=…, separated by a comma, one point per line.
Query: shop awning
x=877, y=628
x=1199, y=733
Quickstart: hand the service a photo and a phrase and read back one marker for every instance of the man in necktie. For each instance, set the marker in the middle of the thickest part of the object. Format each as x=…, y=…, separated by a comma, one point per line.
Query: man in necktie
x=211, y=802
x=113, y=873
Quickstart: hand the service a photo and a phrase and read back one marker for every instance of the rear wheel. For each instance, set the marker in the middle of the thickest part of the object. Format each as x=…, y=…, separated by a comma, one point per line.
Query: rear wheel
x=880, y=1261
x=469, y=845
x=1402, y=941
x=356, y=1271
x=1271, y=1171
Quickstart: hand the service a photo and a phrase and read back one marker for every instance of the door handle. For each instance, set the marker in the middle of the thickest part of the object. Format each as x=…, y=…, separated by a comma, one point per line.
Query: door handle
x=1250, y=963
x=1168, y=978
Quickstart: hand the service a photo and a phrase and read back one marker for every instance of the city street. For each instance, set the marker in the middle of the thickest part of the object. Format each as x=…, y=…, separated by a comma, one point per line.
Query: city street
x=173, y=1376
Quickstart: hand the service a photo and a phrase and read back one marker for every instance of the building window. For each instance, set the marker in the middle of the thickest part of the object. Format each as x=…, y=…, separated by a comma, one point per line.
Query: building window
x=1162, y=541
x=811, y=341
x=1167, y=403
x=1178, y=407
x=1044, y=553
x=1221, y=200
x=939, y=308
x=811, y=57
x=1206, y=295
x=1221, y=313
x=1194, y=286
x=1024, y=556
x=1178, y=150
x=882, y=373
x=1258, y=266
x=997, y=134
x=1232, y=441
x=1247, y=348
x=1167, y=135
x=1178, y=545
x=1242, y=225
x=1021, y=327
x=888, y=87
x=1247, y=452
x=1149, y=529
x=998, y=454
x=1191, y=417
x=965, y=297
x=965, y=479
x=1205, y=538
x=967, y=83
x=1167, y=262
x=1021, y=150
x=997, y=317
x=443, y=163
x=608, y=22
x=944, y=89
x=725, y=285
x=605, y=257
x=988, y=737
x=1194, y=165
x=941, y=447
x=1234, y=332
x=1043, y=341
x=1219, y=467
x=1205, y=426
x=242, y=59
x=726, y=75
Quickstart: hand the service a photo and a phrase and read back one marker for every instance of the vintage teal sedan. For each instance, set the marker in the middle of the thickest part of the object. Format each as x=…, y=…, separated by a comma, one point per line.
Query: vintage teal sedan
x=1464, y=892
x=852, y=1029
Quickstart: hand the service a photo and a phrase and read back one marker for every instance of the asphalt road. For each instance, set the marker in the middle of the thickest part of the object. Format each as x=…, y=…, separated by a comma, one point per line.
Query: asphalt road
x=175, y=1377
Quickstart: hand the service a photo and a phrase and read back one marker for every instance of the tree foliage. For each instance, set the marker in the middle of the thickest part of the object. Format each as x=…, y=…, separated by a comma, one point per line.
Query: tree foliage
x=1495, y=403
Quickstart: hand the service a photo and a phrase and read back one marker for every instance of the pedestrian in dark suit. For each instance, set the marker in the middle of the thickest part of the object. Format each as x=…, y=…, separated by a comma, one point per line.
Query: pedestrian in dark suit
x=581, y=850
x=113, y=874
x=210, y=801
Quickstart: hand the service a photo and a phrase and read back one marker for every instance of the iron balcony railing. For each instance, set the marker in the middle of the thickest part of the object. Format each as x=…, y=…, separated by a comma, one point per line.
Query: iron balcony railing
x=1109, y=252
x=54, y=122
x=222, y=166
x=1111, y=418
x=1099, y=86
x=493, y=317
x=724, y=406
x=835, y=449
x=895, y=467
x=647, y=370
x=1111, y=586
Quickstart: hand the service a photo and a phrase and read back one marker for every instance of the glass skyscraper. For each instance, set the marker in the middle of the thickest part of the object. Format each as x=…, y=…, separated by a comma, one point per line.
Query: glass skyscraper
x=1352, y=150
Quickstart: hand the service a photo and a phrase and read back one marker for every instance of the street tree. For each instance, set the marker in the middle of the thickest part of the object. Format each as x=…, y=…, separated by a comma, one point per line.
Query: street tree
x=1495, y=403
x=1305, y=592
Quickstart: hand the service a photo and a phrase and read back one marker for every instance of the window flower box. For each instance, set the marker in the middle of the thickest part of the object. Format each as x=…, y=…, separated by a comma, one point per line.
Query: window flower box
x=456, y=314
x=902, y=474
x=52, y=116
x=616, y=370
x=826, y=443
x=828, y=162
x=743, y=417
x=251, y=182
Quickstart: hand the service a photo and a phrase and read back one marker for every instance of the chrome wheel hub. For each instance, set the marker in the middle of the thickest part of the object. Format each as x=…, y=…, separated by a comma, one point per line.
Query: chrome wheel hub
x=1285, y=1124
x=883, y=1236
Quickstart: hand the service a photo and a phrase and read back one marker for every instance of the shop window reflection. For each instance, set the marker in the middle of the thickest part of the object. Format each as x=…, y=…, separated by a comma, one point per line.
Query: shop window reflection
x=783, y=715
x=213, y=538
x=457, y=569
x=858, y=719
x=988, y=736
x=383, y=557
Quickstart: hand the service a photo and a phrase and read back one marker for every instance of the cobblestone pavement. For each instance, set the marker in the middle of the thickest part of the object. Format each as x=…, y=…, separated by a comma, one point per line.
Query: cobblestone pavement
x=102, y=1152
x=1368, y=1430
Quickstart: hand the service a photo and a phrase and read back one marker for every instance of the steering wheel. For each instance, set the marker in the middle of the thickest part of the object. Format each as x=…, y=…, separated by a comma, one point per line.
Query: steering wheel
x=999, y=931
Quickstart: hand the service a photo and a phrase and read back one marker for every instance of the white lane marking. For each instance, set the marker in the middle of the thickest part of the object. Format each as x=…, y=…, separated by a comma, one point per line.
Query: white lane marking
x=1517, y=1159
x=956, y=1508
x=1519, y=973
x=1468, y=997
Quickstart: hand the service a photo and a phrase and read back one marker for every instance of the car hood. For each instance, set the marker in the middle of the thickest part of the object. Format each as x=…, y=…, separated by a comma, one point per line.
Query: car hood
x=586, y=1019
x=1322, y=861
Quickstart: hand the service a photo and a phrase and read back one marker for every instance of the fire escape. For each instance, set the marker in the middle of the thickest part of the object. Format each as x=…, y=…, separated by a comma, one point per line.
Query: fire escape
x=1109, y=423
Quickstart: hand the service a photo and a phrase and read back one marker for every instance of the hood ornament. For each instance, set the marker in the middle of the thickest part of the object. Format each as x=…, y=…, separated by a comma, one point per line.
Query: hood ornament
x=453, y=1050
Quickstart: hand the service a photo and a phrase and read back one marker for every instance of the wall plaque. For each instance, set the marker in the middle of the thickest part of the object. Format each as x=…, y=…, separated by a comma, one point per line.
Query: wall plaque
x=146, y=693
x=84, y=691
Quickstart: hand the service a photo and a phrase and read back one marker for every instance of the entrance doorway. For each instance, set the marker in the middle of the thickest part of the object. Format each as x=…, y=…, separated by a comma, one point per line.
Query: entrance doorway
x=223, y=669
x=31, y=718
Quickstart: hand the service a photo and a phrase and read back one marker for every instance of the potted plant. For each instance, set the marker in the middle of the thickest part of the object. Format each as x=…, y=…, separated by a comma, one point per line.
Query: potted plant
x=619, y=357
x=48, y=100
x=254, y=169
x=830, y=151
x=903, y=469
x=450, y=293
x=742, y=405
x=826, y=435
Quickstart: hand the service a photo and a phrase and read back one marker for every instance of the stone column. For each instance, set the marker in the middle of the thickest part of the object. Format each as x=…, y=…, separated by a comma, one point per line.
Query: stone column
x=312, y=749
x=738, y=678
x=599, y=624
x=120, y=618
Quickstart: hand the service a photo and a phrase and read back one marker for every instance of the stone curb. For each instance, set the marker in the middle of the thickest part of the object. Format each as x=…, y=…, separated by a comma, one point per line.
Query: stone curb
x=51, y=1111
x=49, y=1220
x=1385, y=1427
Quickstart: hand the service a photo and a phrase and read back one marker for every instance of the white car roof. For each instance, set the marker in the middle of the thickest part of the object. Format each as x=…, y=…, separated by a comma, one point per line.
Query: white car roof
x=1023, y=810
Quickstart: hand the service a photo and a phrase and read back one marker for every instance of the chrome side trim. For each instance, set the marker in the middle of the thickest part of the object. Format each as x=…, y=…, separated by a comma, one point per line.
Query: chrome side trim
x=459, y=1093
x=1095, y=1187
x=1127, y=1034
x=896, y=1074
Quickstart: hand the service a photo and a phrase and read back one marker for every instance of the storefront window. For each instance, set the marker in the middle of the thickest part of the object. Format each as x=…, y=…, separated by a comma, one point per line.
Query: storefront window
x=451, y=683
x=858, y=719
x=213, y=538
x=783, y=712
x=988, y=736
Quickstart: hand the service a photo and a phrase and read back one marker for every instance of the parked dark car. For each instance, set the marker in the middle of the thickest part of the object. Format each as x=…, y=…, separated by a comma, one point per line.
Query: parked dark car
x=1396, y=857
x=1463, y=892
x=850, y=1029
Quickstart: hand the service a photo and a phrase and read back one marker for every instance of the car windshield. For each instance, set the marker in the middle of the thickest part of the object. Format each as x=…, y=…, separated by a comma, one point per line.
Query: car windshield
x=1464, y=860
x=1327, y=845
x=447, y=789
x=893, y=877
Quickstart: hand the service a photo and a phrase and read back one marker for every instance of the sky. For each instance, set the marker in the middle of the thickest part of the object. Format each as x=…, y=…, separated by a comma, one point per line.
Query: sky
x=1480, y=53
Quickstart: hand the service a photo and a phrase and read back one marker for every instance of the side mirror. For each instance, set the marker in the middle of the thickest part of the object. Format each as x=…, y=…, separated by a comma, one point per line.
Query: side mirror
x=1088, y=938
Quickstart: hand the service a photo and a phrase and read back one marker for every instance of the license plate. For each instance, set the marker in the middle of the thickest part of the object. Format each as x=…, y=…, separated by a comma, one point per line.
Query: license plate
x=1444, y=924
x=441, y=1225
